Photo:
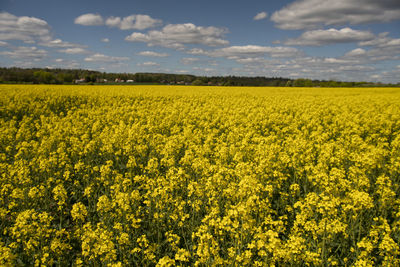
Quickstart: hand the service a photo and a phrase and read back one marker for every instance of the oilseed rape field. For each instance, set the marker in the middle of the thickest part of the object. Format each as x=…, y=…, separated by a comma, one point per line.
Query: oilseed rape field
x=199, y=176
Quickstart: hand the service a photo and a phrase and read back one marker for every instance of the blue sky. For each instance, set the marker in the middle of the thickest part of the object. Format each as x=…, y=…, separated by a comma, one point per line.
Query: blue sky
x=351, y=40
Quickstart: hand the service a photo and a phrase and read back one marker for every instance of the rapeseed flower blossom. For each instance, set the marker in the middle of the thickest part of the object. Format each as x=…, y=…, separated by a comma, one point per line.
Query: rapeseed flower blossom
x=199, y=176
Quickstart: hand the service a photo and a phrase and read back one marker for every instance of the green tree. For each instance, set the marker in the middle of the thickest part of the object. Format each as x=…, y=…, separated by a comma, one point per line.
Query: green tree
x=197, y=82
x=44, y=77
x=65, y=77
x=303, y=83
x=333, y=84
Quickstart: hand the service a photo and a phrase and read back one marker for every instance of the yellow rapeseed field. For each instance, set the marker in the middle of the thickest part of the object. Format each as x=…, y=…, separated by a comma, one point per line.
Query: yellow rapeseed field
x=199, y=176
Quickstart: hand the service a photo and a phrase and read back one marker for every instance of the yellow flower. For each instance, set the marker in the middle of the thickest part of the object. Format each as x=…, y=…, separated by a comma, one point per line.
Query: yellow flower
x=165, y=261
x=79, y=212
x=182, y=255
x=60, y=195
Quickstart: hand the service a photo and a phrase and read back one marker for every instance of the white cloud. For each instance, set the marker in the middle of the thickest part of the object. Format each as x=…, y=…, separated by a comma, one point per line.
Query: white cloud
x=356, y=65
x=381, y=48
x=341, y=68
x=393, y=42
x=104, y=58
x=376, y=77
x=58, y=43
x=303, y=14
x=90, y=19
x=202, y=69
x=382, y=41
x=75, y=50
x=337, y=60
x=105, y=40
x=152, y=54
x=356, y=52
x=30, y=30
x=26, y=29
x=376, y=55
x=177, y=35
x=384, y=53
x=113, y=21
x=3, y=43
x=257, y=61
x=26, y=53
x=189, y=60
x=133, y=22
x=235, y=52
x=260, y=16
x=148, y=64
x=331, y=36
x=181, y=71
x=197, y=51
x=356, y=68
x=66, y=64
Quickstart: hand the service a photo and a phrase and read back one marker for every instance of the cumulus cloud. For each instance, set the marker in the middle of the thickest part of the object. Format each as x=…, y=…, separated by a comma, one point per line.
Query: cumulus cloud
x=89, y=19
x=105, y=40
x=381, y=48
x=178, y=35
x=30, y=30
x=148, y=64
x=382, y=41
x=181, y=71
x=75, y=50
x=133, y=22
x=58, y=43
x=204, y=69
x=113, y=22
x=197, y=51
x=247, y=51
x=305, y=14
x=3, y=43
x=356, y=52
x=152, y=54
x=104, y=58
x=340, y=68
x=356, y=68
x=331, y=36
x=335, y=60
x=26, y=53
x=260, y=16
x=26, y=29
x=257, y=61
x=356, y=65
x=65, y=63
x=189, y=60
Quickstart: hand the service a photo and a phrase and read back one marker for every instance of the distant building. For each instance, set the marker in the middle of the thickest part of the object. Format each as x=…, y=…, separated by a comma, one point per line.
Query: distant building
x=130, y=81
x=82, y=80
x=99, y=80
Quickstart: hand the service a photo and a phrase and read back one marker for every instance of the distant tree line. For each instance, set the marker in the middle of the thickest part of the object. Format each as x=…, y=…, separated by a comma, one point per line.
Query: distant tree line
x=71, y=76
